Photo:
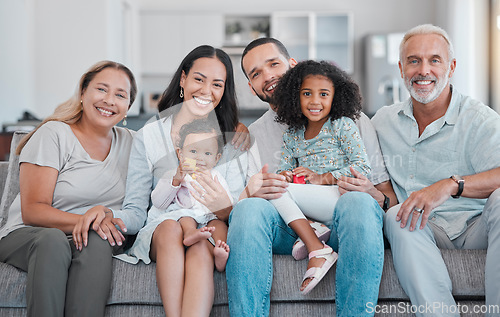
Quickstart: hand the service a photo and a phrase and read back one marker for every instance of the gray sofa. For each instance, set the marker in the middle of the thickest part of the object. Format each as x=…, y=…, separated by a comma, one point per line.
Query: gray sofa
x=134, y=292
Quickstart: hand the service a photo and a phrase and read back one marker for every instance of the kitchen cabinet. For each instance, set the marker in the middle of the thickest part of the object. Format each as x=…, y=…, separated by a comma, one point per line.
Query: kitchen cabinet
x=316, y=35
x=167, y=37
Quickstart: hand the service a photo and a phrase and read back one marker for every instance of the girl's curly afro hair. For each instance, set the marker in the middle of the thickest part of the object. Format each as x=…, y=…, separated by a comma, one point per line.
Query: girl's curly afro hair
x=286, y=98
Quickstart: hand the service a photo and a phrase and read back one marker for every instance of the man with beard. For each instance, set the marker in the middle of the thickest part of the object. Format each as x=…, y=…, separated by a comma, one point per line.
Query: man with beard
x=256, y=229
x=448, y=147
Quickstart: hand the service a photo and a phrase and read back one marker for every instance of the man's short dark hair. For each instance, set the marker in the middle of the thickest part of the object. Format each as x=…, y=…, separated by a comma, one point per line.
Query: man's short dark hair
x=262, y=41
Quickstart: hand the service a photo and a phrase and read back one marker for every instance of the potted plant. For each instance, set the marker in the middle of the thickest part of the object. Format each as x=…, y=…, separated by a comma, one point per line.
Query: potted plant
x=233, y=31
x=260, y=29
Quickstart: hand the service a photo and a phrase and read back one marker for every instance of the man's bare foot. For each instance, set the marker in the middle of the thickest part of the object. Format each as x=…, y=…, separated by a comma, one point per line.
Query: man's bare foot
x=197, y=235
x=221, y=253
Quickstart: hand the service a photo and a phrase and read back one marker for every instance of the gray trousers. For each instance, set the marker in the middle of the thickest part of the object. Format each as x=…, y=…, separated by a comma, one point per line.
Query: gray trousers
x=421, y=269
x=61, y=281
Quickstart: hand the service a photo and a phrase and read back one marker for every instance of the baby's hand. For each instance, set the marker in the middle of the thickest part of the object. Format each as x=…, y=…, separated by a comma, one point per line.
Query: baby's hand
x=189, y=165
x=288, y=176
x=186, y=166
x=179, y=176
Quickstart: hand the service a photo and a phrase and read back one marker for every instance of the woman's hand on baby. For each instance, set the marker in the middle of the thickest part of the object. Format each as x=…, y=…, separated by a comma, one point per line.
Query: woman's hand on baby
x=241, y=138
x=95, y=217
x=211, y=194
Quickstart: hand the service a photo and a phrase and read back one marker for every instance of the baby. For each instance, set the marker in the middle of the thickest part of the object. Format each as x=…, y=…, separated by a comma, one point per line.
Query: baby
x=200, y=148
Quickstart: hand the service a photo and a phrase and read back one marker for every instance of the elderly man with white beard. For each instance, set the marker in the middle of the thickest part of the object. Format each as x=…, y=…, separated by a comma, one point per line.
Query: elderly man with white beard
x=447, y=147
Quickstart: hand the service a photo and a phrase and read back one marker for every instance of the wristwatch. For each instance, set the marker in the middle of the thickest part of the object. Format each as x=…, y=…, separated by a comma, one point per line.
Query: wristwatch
x=387, y=202
x=460, y=181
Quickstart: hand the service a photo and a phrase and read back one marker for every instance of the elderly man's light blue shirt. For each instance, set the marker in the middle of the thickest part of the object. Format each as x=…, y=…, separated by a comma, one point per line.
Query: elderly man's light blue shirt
x=465, y=141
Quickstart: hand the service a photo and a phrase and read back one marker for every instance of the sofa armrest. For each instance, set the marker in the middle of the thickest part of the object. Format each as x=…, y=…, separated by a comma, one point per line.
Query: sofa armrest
x=11, y=181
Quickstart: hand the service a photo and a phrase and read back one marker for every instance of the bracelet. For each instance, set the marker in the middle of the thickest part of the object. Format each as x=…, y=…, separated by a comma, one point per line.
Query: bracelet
x=387, y=202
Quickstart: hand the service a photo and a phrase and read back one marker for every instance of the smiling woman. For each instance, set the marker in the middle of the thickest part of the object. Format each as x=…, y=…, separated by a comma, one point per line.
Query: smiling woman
x=203, y=86
x=72, y=170
x=201, y=89
x=71, y=111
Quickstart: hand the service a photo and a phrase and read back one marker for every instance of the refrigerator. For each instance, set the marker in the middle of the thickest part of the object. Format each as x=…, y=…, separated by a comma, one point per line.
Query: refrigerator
x=383, y=83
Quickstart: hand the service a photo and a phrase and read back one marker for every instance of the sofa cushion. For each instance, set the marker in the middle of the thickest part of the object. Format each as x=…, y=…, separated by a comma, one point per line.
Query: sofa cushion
x=13, y=283
x=11, y=188
x=135, y=284
x=466, y=269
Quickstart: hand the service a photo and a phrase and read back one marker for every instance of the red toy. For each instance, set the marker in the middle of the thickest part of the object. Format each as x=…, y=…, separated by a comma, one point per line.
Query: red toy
x=299, y=179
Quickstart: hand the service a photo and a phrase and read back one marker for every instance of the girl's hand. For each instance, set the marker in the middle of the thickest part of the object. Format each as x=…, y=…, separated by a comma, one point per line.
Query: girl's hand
x=288, y=176
x=314, y=178
x=211, y=194
x=241, y=137
x=309, y=176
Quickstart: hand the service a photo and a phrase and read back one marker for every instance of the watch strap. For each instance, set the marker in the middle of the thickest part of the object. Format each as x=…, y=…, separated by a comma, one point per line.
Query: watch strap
x=387, y=202
x=460, y=181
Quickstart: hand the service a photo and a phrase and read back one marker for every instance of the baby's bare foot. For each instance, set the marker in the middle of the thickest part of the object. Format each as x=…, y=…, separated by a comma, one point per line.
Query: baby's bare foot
x=197, y=235
x=221, y=253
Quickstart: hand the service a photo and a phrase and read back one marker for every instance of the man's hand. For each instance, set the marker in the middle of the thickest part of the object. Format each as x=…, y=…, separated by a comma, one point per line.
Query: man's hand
x=241, y=138
x=361, y=183
x=265, y=185
x=358, y=183
x=425, y=199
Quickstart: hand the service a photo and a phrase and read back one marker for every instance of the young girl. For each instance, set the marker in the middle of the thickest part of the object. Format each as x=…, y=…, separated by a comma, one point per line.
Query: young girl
x=200, y=148
x=318, y=102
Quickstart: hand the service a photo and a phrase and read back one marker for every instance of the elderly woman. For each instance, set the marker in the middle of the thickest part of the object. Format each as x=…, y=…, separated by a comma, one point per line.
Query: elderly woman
x=72, y=169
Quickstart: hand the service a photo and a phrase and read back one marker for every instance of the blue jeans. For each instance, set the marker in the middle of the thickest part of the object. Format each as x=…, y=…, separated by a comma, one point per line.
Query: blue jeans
x=256, y=232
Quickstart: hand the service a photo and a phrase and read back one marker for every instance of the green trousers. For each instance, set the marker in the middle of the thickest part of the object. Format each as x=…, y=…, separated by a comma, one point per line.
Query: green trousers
x=61, y=281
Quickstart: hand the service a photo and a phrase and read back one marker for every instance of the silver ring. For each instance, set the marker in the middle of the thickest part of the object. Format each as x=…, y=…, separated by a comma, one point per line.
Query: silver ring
x=203, y=195
x=419, y=210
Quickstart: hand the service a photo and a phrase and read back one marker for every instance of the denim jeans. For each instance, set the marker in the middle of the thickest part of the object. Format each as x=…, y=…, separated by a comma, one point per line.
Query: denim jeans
x=256, y=232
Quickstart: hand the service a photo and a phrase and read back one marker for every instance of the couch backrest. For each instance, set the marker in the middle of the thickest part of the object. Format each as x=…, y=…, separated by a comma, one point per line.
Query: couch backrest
x=4, y=166
x=11, y=188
